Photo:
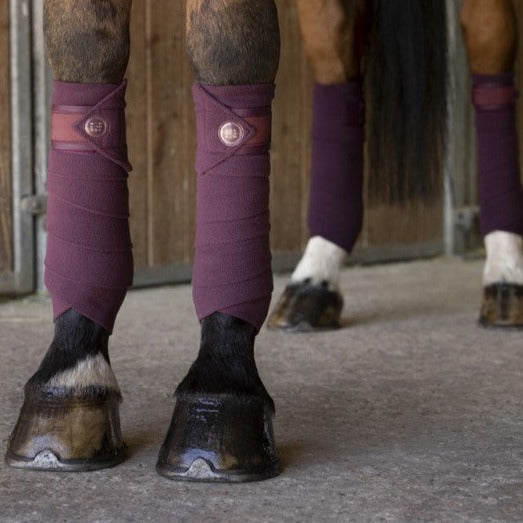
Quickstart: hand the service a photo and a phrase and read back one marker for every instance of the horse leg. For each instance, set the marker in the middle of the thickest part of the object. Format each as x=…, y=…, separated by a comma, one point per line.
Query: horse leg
x=221, y=429
x=490, y=32
x=70, y=416
x=333, y=36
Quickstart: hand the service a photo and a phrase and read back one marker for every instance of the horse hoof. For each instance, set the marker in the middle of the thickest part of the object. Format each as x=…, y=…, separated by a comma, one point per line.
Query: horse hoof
x=305, y=307
x=502, y=305
x=59, y=430
x=219, y=438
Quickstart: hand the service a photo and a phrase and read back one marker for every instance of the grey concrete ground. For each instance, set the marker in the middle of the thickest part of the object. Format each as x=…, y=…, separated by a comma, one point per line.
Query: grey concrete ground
x=409, y=413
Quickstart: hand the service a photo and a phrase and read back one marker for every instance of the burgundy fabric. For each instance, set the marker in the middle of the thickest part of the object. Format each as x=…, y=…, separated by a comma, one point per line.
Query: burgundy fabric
x=492, y=97
x=232, y=259
x=501, y=197
x=89, y=263
x=336, y=192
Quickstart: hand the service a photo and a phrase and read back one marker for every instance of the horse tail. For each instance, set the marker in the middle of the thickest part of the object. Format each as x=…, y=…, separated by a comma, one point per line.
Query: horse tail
x=406, y=92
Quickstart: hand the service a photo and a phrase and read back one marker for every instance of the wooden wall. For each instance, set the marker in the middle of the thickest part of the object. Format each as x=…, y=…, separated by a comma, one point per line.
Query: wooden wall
x=6, y=247
x=162, y=146
x=161, y=141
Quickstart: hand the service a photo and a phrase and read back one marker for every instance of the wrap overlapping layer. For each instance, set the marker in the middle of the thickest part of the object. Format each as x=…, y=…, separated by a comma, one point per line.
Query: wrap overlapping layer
x=500, y=194
x=336, y=192
x=232, y=259
x=89, y=263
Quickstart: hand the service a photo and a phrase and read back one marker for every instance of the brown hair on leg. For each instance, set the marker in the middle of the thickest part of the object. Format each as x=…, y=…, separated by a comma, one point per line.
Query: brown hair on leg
x=87, y=41
x=334, y=34
x=490, y=33
x=233, y=42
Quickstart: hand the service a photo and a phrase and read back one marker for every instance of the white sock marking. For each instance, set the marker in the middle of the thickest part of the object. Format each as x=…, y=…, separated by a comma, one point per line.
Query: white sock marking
x=93, y=371
x=504, y=258
x=321, y=261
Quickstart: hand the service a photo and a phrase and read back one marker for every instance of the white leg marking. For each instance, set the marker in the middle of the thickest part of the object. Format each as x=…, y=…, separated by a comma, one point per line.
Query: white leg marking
x=93, y=371
x=504, y=258
x=321, y=261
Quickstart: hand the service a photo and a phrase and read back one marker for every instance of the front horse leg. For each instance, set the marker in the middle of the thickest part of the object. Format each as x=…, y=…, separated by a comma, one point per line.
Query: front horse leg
x=69, y=419
x=333, y=33
x=221, y=429
x=490, y=32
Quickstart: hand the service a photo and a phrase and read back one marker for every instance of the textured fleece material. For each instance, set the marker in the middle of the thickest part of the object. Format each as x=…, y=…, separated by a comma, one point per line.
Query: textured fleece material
x=500, y=194
x=336, y=201
x=232, y=260
x=89, y=263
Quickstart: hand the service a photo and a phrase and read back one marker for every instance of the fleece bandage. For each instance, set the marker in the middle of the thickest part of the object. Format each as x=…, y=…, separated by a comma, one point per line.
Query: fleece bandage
x=336, y=193
x=501, y=198
x=89, y=263
x=232, y=260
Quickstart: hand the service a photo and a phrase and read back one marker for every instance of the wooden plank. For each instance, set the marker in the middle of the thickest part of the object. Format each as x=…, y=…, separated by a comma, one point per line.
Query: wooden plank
x=170, y=127
x=290, y=141
x=306, y=83
x=6, y=240
x=136, y=135
x=188, y=121
x=414, y=222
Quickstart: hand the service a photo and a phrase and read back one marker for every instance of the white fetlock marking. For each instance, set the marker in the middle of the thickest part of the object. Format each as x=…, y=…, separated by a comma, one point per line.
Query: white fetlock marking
x=504, y=258
x=321, y=261
x=93, y=371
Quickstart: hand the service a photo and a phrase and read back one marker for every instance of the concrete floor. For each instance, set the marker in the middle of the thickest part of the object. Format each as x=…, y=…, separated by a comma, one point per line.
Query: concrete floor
x=410, y=413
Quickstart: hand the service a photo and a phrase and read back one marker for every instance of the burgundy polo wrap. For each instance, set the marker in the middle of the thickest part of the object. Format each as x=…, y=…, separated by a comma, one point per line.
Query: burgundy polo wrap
x=232, y=258
x=89, y=263
x=336, y=192
x=500, y=194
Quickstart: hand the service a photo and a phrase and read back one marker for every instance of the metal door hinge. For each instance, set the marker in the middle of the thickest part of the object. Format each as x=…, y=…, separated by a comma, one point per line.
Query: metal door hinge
x=35, y=204
x=466, y=218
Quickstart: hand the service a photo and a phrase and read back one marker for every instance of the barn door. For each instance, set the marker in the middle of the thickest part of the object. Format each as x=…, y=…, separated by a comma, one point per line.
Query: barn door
x=17, y=201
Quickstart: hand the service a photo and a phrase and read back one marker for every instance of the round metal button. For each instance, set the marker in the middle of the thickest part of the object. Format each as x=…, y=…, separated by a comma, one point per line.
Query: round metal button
x=95, y=127
x=231, y=133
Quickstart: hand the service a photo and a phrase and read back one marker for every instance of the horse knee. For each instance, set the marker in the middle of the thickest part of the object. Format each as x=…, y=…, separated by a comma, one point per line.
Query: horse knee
x=233, y=41
x=490, y=33
x=87, y=41
x=334, y=35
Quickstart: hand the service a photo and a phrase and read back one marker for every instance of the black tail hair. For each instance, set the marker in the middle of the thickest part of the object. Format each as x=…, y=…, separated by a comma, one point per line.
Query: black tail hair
x=406, y=93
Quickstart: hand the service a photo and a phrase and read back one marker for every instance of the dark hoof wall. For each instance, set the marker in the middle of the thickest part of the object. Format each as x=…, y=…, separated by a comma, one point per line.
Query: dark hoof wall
x=305, y=307
x=502, y=306
x=219, y=438
x=57, y=431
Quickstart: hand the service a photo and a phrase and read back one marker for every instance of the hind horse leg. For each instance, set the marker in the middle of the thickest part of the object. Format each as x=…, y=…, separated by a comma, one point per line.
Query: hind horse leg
x=490, y=32
x=70, y=417
x=221, y=429
x=333, y=33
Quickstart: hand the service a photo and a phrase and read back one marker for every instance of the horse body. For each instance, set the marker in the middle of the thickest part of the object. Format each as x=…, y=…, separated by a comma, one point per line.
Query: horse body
x=221, y=428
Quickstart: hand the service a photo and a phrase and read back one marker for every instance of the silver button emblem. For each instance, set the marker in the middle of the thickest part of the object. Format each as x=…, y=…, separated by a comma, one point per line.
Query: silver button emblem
x=95, y=127
x=231, y=133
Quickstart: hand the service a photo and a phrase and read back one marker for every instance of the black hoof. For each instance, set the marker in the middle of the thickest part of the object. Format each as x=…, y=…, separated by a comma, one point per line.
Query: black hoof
x=219, y=438
x=502, y=306
x=61, y=431
x=305, y=307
